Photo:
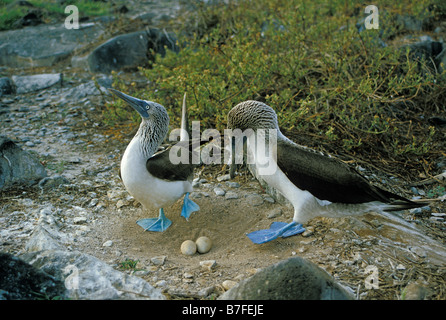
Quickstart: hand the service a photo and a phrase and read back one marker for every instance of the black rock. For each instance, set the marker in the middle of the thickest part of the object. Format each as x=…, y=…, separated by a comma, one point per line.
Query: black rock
x=131, y=50
x=18, y=167
x=21, y=281
x=6, y=86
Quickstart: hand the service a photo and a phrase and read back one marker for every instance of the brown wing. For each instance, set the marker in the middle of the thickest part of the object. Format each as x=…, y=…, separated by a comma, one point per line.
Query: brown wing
x=327, y=178
x=160, y=165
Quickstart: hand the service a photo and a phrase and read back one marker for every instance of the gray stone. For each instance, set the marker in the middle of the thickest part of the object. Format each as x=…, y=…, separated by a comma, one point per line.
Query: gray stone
x=224, y=177
x=53, y=182
x=129, y=51
x=88, y=278
x=6, y=86
x=18, y=167
x=219, y=191
x=45, y=45
x=254, y=200
x=42, y=239
x=25, y=84
x=291, y=279
x=274, y=213
x=231, y=195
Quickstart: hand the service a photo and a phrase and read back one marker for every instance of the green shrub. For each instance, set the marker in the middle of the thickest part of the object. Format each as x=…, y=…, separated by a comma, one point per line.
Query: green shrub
x=327, y=82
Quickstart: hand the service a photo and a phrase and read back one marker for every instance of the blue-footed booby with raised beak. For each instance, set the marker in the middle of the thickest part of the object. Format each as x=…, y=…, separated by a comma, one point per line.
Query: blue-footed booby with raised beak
x=149, y=176
x=314, y=183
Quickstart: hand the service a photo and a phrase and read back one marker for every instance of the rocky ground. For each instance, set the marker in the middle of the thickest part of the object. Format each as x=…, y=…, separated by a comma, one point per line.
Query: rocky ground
x=374, y=256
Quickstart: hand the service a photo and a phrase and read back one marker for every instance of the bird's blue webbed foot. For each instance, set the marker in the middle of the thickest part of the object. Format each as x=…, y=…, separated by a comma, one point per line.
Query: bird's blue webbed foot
x=277, y=229
x=159, y=224
x=188, y=207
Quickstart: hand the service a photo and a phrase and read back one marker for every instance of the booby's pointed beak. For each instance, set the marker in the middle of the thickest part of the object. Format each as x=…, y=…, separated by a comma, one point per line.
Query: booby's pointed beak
x=137, y=104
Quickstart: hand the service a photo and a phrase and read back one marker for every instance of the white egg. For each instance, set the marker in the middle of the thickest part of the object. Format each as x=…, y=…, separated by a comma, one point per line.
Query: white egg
x=188, y=247
x=204, y=244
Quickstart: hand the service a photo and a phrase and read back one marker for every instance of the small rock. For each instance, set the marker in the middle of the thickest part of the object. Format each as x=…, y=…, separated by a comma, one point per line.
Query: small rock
x=414, y=291
x=400, y=267
x=120, y=204
x=224, y=177
x=208, y=264
x=254, y=200
x=232, y=184
x=418, y=251
x=269, y=199
x=228, y=284
x=188, y=248
x=107, y=243
x=52, y=182
x=204, y=244
x=159, y=260
x=308, y=232
x=274, y=213
x=36, y=82
x=219, y=191
x=188, y=275
x=231, y=195
x=79, y=220
x=6, y=86
x=161, y=284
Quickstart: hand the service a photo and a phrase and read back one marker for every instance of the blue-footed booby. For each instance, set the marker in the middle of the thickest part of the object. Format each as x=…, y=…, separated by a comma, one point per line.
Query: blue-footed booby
x=149, y=176
x=314, y=183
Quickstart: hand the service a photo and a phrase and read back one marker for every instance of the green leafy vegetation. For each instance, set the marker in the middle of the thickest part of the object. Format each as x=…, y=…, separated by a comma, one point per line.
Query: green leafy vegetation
x=13, y=10
x=333, y=87
x=128, y=264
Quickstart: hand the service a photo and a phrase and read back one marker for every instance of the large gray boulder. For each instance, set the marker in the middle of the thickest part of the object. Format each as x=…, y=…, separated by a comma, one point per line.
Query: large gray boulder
x=88, y=278
x=291, y=279
x=18, y=167
x=36, y=82
x=45, y=45
x=129, y=51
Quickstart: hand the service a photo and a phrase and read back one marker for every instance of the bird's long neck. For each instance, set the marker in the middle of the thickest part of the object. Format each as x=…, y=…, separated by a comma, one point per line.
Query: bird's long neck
x=148, y=138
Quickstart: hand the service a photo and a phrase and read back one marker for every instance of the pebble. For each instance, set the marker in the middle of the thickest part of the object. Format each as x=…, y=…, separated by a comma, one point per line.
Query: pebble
x=204, y=244
x=107, y=243
x=224, y=177
x=188, y=248
x=161, y=284
x=400, y=267
x=120, y=204
x=232, y=184
x=79, y=220
x=254, y=200
x=188, y=275
x=274, y=213
x=219, y=191
x=228, y=284
x=231, y=195
x=415, y=291
x=208, y=264
x=308, y=232
x=159, y=260
x=269, y=199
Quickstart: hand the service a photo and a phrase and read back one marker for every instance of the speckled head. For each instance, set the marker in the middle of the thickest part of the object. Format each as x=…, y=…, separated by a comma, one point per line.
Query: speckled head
x=155, y=121
x=147, y=109
x=252, y=115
